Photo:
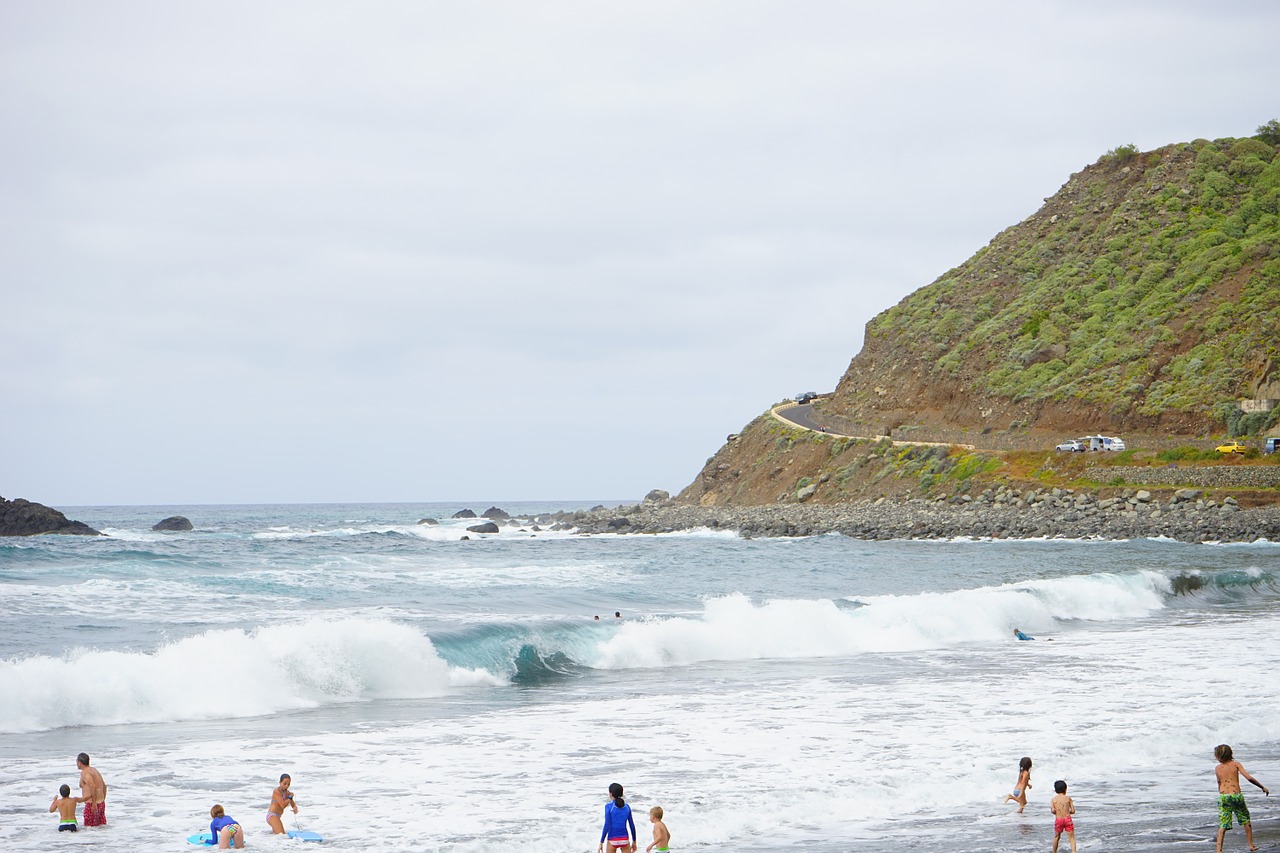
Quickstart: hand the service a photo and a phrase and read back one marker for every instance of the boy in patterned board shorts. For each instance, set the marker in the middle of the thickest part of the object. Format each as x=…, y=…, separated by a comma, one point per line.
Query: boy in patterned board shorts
x=1230, y=800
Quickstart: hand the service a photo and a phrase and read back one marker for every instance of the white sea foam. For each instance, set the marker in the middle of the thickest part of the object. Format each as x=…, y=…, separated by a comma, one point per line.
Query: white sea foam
x=208, y=676
x=734, y=628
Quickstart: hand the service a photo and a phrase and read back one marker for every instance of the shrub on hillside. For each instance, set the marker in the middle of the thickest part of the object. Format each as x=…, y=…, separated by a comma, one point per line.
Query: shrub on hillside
x=1122, y=153
x=1269, y=132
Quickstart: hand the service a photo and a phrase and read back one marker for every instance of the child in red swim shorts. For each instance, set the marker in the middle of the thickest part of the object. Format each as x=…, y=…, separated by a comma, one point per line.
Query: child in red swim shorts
x=1063, y=807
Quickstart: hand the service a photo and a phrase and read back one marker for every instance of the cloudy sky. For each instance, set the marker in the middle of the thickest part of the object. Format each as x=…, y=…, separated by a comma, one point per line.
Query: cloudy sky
x=415, y=251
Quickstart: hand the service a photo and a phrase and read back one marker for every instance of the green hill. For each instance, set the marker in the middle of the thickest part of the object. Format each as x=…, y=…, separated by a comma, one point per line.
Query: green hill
x=1142, y=299
x=1144, y=296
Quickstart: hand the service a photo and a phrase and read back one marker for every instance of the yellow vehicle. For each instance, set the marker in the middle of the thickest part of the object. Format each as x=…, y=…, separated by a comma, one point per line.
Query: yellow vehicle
x=1232, y=447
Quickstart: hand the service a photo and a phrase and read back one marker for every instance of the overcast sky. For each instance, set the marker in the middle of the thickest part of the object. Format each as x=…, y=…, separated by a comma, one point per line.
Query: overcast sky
x=418, y=251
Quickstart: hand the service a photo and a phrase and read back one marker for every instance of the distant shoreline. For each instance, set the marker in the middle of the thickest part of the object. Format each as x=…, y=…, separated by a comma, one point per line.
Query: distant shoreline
x=998, y=514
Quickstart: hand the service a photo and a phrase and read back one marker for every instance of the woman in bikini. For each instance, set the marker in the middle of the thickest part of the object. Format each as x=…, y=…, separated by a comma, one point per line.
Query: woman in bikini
x=281, y=798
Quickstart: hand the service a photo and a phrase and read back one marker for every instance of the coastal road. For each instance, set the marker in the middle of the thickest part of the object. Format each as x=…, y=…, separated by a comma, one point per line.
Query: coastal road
x=804, y=416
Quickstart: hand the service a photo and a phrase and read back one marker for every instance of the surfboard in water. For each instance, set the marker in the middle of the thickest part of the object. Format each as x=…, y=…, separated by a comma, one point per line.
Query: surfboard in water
x=300, y=834
x=305, y=835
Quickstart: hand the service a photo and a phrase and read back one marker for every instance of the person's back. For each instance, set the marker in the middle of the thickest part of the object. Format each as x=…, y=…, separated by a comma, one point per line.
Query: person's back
x=1231, y=804
x=1228, y=774
x=1063, y=808
x=619, y=826
x=661, y=835
x=65, y=805
x=616, y=819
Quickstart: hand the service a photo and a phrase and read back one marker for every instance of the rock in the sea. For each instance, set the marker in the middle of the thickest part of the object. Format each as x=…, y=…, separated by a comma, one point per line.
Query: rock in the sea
x=464, y=513
x=428, y=521
x=20, y=517
x=487, y=527
x=173, y=522
x=494, y=512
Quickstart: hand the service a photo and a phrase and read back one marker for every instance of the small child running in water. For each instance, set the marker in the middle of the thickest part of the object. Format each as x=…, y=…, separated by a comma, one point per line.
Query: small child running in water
x=1020, y=787
x=1063, y=807
x=661, y=835
x=65, y=805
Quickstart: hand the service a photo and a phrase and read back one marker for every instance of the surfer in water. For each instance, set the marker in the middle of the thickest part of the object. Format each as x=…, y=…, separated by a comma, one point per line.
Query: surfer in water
x=1021, y=636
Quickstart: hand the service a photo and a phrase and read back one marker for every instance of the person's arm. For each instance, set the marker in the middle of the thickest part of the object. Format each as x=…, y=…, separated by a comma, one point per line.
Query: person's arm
x=1072, y=804
x=604, y=830
x=635, y=836
x=1245, y=774
x=53, y=807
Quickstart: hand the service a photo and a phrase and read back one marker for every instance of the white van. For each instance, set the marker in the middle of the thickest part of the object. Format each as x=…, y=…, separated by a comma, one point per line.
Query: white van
x=1104, y=442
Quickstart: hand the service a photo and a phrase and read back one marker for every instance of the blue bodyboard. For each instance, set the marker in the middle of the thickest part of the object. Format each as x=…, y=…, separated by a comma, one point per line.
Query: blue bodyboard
x=200, y=838
x=305, y=835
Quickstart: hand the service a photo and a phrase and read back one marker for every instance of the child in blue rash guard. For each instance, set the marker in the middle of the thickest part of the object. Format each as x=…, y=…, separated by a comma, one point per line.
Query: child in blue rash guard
x=225, y=831
x=617, y=821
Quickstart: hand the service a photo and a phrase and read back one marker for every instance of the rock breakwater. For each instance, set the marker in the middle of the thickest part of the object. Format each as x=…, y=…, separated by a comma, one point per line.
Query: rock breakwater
x=1000, y=513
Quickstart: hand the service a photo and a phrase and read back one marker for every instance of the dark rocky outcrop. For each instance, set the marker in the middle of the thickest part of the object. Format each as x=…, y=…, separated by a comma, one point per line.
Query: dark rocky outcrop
x=487, y=527
x=173, y=522
x=464, y=513
x=20, y=517
x=657, y=496
x=428, y=521
x=495, y=514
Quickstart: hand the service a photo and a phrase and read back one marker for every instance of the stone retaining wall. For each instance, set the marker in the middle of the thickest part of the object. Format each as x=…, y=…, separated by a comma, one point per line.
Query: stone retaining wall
x=1243, y=476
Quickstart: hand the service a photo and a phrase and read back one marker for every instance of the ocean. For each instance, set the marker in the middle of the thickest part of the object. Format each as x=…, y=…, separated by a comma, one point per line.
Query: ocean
x=816, y=694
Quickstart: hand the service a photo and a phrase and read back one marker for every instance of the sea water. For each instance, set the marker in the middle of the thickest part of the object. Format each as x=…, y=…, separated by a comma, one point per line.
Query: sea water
x=427, y=692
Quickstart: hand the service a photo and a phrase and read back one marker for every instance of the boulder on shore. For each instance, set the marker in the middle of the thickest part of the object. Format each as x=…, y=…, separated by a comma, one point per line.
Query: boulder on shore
x=20, y=517
x=173, y=522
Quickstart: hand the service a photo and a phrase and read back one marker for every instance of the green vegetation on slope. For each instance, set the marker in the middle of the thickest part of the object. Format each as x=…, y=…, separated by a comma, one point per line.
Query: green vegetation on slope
x=1150, y=283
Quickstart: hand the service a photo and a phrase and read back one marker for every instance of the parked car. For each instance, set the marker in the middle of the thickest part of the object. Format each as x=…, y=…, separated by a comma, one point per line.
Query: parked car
x=805, y=397
x=1103, y=442
x=1072, y=445
x=1232, y=447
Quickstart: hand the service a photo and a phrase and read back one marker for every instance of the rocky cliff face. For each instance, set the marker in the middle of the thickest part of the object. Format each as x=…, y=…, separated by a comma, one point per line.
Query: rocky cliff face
x=23, y=518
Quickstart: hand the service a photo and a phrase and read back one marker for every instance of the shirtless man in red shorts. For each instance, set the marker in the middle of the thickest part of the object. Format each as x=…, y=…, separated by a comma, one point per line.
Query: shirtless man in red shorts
x=93, y=792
